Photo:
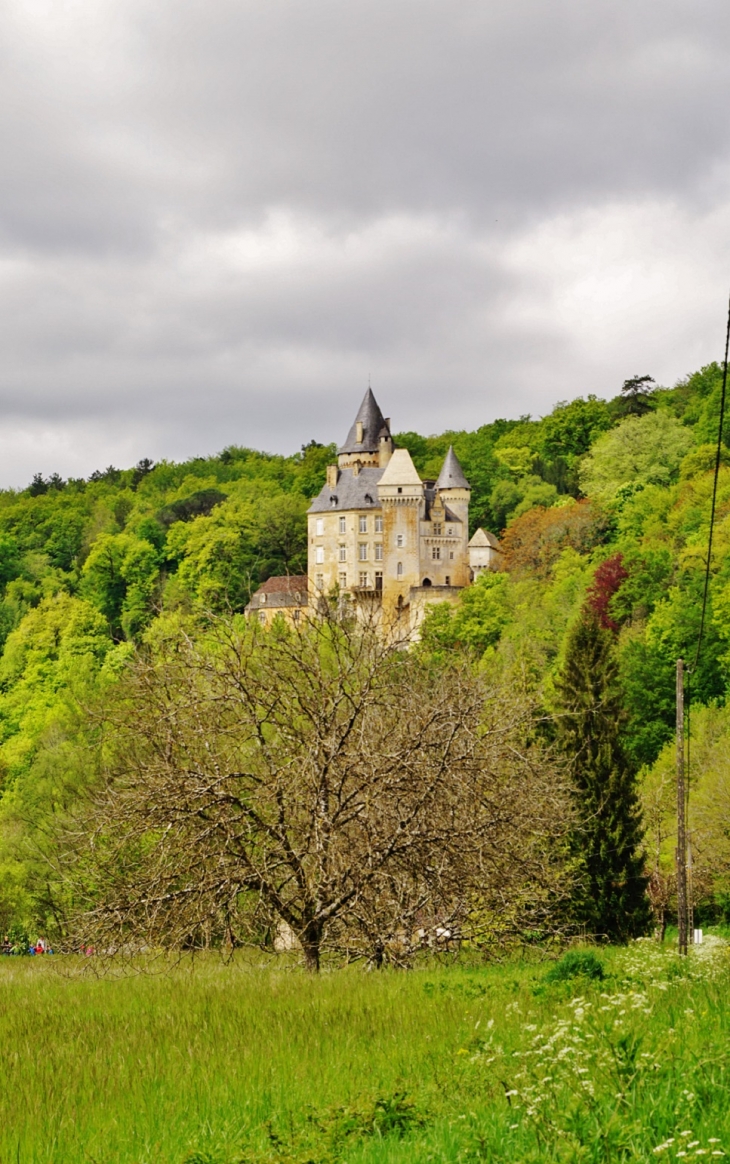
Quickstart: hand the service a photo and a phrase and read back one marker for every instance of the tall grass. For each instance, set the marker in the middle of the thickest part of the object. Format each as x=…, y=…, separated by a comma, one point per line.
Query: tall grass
x=218, y=1064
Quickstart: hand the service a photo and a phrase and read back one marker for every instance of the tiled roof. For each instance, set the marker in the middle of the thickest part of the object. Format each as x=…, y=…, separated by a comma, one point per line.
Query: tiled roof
x=282, y=590
x=373, y=427
x=350, y=492
x=482, y=538
x=285, y=582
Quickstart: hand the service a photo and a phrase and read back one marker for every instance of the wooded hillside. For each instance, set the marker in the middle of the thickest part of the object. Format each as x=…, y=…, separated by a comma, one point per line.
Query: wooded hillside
x=605, y=503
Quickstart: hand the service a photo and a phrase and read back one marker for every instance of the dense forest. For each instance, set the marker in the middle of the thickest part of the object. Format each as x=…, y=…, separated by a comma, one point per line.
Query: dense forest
x=599, y=502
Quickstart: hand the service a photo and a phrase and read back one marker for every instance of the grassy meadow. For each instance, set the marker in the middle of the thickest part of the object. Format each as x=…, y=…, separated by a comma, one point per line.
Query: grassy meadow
x=251, y=1063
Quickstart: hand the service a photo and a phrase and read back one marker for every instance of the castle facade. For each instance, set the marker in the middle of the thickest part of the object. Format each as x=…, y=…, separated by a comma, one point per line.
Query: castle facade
x=384, y=539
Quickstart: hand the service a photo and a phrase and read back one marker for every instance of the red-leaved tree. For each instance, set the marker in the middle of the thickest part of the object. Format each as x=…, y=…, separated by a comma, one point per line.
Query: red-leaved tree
x=607, y=581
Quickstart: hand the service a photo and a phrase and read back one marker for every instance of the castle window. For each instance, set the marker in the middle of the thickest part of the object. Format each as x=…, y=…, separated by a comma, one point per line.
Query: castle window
x=364, y=579
x=399, y=541
x=343, y=525
x=437, y=527
x=400, y=488
x=447, y=580
x=363, y=525
x=378, y=579
x=343, y=553
x=319, y=555
x=379, y=524
x=320, y=526
x=378, y=551
x=362, y=552
x=451, y=555
x=262, y=617
x=436, y=553
x=451, y=531
x=343, y=581
x=319, y=581
x=295, y=615
x=399, y=570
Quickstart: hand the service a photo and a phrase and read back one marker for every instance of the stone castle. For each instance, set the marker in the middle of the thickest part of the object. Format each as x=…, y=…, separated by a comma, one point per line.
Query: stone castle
x=383, y=538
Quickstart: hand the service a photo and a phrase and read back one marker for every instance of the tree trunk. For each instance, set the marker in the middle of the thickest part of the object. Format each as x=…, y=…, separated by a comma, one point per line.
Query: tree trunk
x=311, y=940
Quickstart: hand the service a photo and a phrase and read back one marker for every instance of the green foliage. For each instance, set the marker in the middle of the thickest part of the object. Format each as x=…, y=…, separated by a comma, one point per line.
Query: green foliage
x=637, y=395
x=475, y=624
x=50, y=669
x=570, y=430
x=612, y=903
x=642, y=450
x=576, y=964
x=120, y=578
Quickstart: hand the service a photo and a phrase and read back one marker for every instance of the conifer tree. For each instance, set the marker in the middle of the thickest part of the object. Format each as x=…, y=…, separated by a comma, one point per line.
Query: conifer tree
x=610, y=900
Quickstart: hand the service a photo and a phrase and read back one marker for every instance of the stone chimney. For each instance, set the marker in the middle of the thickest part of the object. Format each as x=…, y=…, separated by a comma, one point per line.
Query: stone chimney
x=385, y=451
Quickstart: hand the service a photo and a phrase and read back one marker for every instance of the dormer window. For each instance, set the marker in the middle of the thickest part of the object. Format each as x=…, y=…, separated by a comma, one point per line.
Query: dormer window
x=263, y=598
x=358, y=432
x=333, y=501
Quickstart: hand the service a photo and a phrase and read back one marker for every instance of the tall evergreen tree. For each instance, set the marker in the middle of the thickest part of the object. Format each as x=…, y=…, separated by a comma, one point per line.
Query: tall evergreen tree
x=611, y=899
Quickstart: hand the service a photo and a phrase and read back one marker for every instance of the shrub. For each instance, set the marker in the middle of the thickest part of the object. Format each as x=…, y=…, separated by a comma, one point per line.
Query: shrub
x=576, y=964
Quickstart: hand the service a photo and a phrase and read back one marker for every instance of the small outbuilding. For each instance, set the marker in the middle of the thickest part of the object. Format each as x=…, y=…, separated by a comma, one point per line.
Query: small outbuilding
x=485, y=553
x=284, y=594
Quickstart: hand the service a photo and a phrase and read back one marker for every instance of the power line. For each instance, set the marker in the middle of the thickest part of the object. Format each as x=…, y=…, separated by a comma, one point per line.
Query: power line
x=718, y=460
x=685, y=912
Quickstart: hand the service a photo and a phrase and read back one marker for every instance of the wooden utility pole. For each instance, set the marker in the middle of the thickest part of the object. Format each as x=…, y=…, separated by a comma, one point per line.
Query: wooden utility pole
x=681, y=816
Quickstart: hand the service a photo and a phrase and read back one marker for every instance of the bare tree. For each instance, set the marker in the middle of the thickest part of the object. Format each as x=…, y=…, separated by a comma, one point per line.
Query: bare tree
x=310, y=777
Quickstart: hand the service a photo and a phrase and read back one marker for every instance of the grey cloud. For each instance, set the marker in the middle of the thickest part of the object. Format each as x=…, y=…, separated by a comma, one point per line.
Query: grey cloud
x=217, y=220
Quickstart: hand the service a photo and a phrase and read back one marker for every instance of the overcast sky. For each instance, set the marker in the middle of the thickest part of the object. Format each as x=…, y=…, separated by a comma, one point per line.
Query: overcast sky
x=218, y=218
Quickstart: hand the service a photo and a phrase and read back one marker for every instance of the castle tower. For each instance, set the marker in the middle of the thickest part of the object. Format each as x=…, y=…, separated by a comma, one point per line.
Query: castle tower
x=402, y=497
x=368, y=442
x=450, y=514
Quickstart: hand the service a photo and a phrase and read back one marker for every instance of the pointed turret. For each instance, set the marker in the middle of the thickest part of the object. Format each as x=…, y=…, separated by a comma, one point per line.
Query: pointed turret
x=452, y=475
x=369, y=426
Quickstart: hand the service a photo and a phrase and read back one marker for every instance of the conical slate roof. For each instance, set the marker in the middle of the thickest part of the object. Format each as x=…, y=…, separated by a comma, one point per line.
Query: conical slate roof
x=452, y=474
x=373, y=427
